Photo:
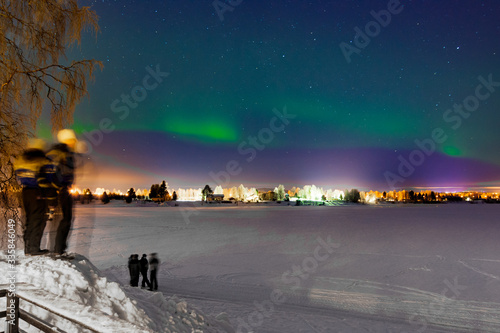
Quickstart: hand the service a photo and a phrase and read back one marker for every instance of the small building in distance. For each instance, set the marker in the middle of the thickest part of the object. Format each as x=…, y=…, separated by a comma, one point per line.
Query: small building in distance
x=215, y=197
x=267, y=196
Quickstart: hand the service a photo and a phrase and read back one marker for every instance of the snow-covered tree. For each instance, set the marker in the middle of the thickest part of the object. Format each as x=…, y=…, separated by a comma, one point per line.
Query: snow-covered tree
x=242, y=192
x=233, y=192
x=333, y=194
x=252, y=195
x=279, y=192
x=189, y=194
x=218, y=190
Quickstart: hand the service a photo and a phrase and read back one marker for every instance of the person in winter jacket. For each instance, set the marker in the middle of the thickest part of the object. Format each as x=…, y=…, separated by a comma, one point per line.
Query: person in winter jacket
x=62, y=155
x=134, y=269
x=144, y=265
x=32, y=170
x=154, y=263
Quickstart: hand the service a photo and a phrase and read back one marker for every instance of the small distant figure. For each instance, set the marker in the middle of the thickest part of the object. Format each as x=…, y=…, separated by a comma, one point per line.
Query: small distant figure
x=144, y=265
x=154, y=263
x=134, y=269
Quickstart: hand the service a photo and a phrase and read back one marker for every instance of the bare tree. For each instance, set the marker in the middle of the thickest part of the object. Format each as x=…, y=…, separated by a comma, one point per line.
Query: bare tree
x=36, y=75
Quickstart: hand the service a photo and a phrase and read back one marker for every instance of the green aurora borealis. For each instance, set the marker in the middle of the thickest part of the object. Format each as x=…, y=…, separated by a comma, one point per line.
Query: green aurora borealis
x=352, y=120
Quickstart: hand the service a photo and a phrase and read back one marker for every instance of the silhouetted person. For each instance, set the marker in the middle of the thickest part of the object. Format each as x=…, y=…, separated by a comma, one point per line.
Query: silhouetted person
x=31, y=171
x=134, y=269
x=154, y=263
x=130, y=267
x=144, y=265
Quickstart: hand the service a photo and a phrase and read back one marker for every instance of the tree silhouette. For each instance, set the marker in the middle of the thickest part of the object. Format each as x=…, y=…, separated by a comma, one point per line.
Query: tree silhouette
x=354, y=195
x=130, y=195
x=105, y=198
x=153, y=192
x=205, y=192
x=162, y=190
x=34, y=73
x=347, y=196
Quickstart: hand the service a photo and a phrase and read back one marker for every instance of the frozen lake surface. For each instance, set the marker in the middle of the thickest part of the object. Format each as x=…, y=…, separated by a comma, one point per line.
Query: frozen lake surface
x=279, y=268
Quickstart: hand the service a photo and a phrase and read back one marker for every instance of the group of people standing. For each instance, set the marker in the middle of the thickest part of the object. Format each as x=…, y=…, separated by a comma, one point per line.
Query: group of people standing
x=140, y=267
x=46, y=175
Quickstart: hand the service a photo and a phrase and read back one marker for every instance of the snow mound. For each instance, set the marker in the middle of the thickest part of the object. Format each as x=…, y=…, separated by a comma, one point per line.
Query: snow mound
x=76, y=289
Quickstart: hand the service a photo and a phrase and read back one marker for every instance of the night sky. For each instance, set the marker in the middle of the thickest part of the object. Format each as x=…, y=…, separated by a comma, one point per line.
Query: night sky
x=185, y=95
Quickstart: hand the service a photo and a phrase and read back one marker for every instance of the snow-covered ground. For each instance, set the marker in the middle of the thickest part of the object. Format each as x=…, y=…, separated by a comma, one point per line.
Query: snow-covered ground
x=280, y=268
x=74, y=289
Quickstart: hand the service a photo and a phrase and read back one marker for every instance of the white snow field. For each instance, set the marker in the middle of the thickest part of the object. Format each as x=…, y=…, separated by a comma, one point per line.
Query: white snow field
x=280, y=268
x=76, y=289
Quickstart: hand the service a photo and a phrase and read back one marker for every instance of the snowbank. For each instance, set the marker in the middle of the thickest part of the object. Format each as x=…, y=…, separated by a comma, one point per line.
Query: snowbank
x=78, y=290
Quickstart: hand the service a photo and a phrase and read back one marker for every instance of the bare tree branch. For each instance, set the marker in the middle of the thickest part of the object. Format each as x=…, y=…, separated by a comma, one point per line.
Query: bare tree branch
x=34, y=36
